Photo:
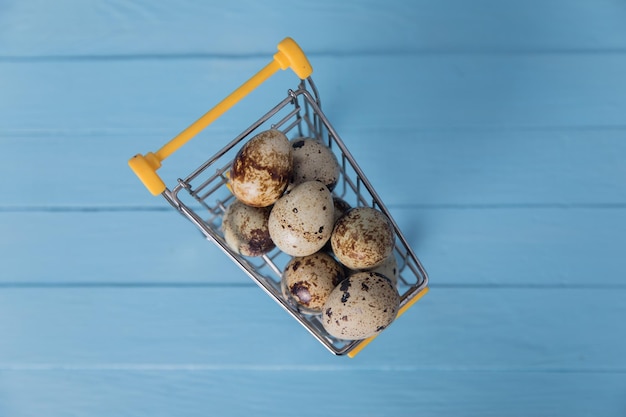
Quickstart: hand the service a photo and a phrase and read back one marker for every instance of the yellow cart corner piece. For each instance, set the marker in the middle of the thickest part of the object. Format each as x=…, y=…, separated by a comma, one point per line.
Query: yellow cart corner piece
x=203, y=195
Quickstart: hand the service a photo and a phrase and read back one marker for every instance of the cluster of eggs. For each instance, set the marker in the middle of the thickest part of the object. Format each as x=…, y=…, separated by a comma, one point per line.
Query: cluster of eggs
x=342, y=266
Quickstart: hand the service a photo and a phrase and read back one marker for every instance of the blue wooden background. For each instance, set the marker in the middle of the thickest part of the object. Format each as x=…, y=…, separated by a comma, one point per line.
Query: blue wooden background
x=495, y=131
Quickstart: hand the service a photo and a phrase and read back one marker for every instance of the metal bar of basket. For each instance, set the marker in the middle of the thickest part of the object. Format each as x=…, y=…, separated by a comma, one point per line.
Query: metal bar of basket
x=349, y=168
x=361, y=175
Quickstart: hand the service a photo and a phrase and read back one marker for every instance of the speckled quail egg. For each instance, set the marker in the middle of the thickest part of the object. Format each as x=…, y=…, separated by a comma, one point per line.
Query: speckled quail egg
x=301, y=221
x=388, y=268
x=313, y=160
x=361, y=306
x=262, y=168
x=362, y=238
x=245, y=229
x=341, y=207
x=309, y=280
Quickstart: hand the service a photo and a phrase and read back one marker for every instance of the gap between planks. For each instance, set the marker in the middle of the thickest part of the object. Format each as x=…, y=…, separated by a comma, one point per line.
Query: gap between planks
x=488, y=206
x=198, y=367
x=314, y=54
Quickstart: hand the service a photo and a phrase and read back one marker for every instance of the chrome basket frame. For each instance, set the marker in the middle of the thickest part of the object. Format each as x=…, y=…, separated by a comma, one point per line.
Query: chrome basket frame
x=203, y=196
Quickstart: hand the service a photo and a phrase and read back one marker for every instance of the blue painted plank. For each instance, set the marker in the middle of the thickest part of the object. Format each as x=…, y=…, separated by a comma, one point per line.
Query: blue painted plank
x=72, y=27
x=428, y=168
x=190, y=392
x=240, y=328
x=522, y=246
x=519, y=108
x=457, y=91
x=109, y=248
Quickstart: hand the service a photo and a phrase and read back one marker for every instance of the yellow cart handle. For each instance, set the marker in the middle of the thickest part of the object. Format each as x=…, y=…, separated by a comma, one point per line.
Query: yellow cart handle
x=289, y=55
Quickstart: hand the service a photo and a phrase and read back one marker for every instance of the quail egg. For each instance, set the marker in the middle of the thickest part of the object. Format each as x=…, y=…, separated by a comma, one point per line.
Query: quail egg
x=261, y=169
x=362, y=238
x=301, y=221
x=341, y=207
x=388, y=268
x=313, y=160
x=245, y=229
x=309, y=280
x=361, y=306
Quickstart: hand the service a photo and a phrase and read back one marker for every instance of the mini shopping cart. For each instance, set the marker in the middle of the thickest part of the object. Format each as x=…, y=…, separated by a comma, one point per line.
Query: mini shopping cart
x=203, y=195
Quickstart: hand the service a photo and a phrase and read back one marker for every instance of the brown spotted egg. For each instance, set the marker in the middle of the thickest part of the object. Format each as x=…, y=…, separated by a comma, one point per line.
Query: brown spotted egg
x=245, y=229
x=341, y=207
x=301, y=221
x=362, y=238
x=261, y=169
x=309, y=280
x=361, y=306
x=313, y=160
x=389, y=268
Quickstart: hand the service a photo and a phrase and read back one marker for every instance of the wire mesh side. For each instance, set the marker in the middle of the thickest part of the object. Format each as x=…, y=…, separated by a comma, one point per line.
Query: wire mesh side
x=203, y=196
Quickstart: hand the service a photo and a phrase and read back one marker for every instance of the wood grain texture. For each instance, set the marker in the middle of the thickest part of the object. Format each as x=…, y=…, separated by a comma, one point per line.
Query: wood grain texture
x=580, y=247
x=412, y=91
x=197, y=392
x=72, y=28
x=495, y=132
x=373, y=393
x=162, y=351
x=530, y=329
x=567, y=168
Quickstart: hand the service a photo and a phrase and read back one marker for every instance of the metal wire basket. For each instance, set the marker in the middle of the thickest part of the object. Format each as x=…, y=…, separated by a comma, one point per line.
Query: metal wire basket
x=204, y=194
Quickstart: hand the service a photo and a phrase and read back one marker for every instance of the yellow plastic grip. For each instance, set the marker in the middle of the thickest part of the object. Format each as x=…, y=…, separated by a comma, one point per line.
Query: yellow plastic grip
x=402, y=310
x=289, y=55
x=145, y=167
